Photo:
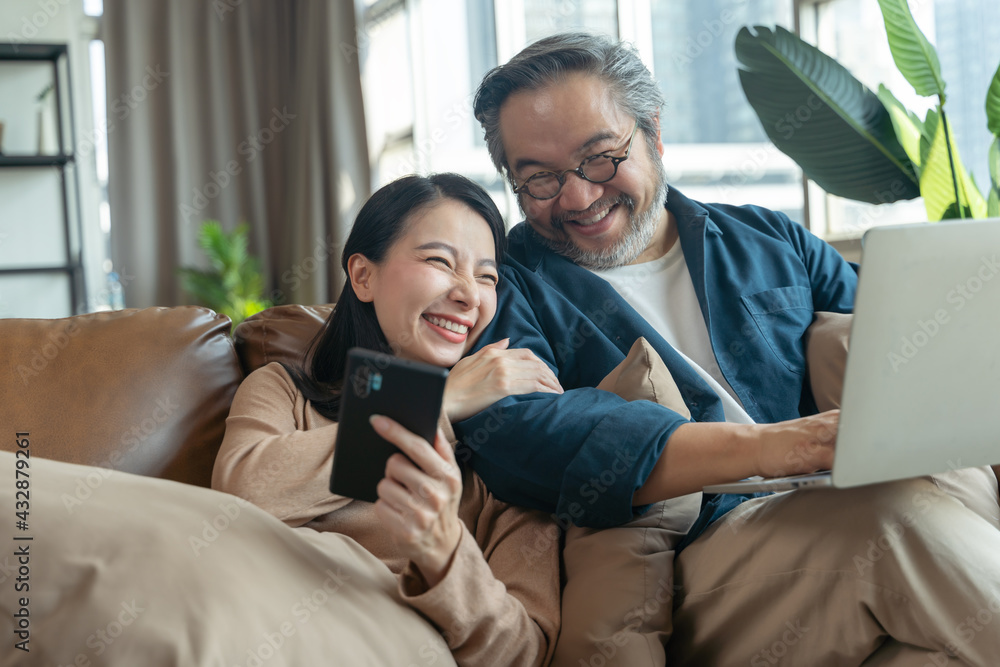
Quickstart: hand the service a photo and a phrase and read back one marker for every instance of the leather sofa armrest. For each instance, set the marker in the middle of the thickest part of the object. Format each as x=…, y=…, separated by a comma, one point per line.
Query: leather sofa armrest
x=145, y=391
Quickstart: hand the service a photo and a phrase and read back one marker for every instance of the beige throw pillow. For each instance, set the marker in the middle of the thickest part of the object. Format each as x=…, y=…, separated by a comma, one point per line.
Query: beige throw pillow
x=618, y=599
x=128, y=570
x=826, y=341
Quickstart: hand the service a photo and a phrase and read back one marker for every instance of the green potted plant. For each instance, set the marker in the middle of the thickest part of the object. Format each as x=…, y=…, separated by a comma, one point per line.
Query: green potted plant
x=234, y=285
x=855, y=143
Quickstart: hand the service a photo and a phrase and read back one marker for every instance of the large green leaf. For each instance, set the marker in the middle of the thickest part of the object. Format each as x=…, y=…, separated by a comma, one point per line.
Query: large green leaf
x=915, y=57
x=936, y=183
x=907, y=124
x=993, y=104
x=818, y=114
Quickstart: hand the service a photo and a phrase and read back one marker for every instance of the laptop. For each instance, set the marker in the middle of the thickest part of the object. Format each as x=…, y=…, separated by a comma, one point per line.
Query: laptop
x=921, y=390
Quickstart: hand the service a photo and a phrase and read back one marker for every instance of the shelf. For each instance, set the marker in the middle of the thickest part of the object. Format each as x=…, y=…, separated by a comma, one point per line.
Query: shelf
x=35, y=160
x=31, y=51
x=62, y=268
x=42, y=166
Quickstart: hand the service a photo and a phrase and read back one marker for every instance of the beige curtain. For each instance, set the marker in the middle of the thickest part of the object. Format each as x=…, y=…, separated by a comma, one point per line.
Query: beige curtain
x=233, y=110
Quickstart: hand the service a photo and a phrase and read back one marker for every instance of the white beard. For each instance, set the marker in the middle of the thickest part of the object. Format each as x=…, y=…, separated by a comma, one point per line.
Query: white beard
x=638, y=233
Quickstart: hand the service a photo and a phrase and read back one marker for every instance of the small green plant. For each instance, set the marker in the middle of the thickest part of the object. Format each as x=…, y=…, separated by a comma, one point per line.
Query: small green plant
x=234, y=286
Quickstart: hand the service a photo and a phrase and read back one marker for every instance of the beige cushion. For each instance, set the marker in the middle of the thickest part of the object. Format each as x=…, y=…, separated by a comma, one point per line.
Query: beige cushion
x=617, y=602
x=827, y=340
x=142, y=571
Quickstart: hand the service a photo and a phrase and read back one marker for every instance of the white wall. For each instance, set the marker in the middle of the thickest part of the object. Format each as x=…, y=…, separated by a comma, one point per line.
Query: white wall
x=23, y=206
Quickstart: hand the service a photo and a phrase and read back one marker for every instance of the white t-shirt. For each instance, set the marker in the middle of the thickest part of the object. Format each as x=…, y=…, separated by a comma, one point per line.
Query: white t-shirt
x=662, y=292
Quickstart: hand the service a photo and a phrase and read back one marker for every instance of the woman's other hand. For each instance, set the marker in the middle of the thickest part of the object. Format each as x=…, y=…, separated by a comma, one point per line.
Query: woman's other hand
x=483, y=378
x=418, y=499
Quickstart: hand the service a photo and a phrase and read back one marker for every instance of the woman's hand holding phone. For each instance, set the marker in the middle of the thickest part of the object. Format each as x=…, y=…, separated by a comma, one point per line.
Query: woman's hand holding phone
x=418, y=499
x=492, y=373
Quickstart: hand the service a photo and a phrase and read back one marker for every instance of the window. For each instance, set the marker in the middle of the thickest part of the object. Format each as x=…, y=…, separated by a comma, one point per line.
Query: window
x=966, y=34
x=715, y=148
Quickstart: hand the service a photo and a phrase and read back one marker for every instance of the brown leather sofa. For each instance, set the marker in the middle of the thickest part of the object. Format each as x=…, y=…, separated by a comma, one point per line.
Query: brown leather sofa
x=128, y=569
x=143, y=391
x=148, y=391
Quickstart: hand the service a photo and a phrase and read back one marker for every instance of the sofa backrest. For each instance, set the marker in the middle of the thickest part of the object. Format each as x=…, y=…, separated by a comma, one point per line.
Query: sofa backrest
x=144, y=391
x=280, y=333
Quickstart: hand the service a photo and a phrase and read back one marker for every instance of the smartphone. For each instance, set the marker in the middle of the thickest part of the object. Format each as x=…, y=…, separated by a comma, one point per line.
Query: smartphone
x=409, y=392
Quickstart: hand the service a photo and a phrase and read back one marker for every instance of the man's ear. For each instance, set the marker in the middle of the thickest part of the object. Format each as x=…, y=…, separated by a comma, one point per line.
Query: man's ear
x=361, y=271
x=659, y=139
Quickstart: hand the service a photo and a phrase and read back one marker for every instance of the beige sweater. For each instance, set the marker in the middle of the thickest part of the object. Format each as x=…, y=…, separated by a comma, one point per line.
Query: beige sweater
x=498, y=604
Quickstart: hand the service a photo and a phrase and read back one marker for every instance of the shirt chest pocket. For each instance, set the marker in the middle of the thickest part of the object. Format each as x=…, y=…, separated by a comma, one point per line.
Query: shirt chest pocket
x=782, y=316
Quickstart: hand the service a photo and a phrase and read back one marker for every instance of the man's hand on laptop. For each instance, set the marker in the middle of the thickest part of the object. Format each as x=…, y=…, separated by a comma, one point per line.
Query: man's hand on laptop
x=796, y=446
x=699, y=454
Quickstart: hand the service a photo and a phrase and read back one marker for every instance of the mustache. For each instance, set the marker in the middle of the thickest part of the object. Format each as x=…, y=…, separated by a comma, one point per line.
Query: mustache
x=559, y=221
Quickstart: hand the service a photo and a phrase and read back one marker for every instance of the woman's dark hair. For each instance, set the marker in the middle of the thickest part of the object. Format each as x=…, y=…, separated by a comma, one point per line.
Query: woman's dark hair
x=353, y=323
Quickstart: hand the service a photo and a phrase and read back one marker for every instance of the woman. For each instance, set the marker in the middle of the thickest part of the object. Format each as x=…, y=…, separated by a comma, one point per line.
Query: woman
x=421, y=264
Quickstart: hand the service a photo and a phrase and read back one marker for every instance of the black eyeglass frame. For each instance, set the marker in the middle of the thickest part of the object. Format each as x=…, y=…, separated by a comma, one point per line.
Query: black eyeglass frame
x=561, y=175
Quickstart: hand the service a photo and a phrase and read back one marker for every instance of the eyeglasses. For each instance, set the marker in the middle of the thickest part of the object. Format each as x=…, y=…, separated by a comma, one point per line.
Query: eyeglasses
x=596, y=169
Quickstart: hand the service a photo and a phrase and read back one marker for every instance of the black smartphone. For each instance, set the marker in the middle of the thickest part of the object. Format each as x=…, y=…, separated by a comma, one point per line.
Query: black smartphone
x=409, y=392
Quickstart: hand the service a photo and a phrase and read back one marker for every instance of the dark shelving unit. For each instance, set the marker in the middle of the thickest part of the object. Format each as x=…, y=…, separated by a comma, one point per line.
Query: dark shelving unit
x=64, y=161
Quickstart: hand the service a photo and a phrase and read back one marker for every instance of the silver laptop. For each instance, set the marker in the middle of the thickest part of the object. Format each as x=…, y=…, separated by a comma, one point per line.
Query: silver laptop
x=922, y=387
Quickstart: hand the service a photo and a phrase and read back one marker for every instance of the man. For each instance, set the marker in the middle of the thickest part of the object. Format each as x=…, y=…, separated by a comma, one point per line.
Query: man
x=724, y=295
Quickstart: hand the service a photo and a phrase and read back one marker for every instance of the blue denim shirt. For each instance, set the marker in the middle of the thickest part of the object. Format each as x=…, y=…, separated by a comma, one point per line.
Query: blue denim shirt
x=759, y=278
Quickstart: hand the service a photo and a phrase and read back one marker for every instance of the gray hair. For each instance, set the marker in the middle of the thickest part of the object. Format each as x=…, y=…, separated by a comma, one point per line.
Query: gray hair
x=540, y=64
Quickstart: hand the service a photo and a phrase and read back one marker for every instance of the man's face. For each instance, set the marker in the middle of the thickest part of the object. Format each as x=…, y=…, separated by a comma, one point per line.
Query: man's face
x=597, y=225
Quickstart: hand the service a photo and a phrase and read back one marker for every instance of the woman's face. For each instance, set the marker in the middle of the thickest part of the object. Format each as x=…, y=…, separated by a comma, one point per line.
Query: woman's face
x=435, y=291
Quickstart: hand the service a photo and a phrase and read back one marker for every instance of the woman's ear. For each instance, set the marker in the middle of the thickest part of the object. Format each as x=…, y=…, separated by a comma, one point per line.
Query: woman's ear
x=360, y=271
